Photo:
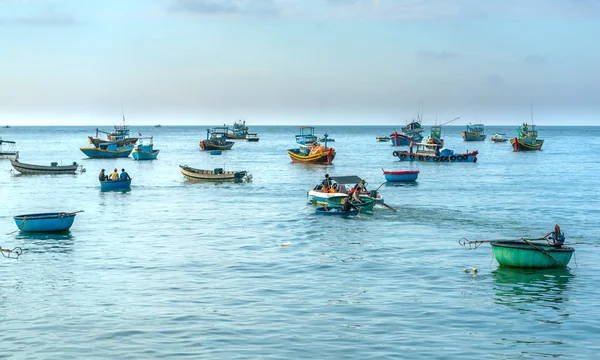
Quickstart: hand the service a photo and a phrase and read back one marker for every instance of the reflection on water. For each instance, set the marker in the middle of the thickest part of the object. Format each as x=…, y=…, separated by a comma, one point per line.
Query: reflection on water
x=520, y=288
x=58, y=242
x=401, y=184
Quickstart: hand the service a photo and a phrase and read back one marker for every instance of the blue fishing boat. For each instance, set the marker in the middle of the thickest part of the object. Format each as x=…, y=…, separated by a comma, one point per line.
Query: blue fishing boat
x=306, y=136
x=401, y=175
x=115, y=185
x=45, y=222
x=144, y=150
x=526, y=139
x=108, y=150
x=216, y=139
x=432, y=153
x=336, y=211
x=412, y=132
x=216, y=152
x=238, y=131
x=474, y=133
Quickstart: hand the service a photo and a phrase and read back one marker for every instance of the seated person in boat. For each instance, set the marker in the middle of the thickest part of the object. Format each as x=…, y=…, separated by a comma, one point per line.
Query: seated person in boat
x=557, y=236
x=124, y=175
x=348, y=205
x=102, y=176
x=114, y=176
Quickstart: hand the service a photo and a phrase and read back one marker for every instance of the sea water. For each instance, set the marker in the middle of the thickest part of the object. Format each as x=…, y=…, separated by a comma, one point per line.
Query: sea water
x=177, y=269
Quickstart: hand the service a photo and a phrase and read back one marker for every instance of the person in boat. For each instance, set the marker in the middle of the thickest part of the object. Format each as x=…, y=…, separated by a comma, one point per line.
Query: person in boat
x=410, y=147
x=327, y=182
x=124, y=175
x=349, y=206
x=102, y=176
x=114, y=176
x=437, y=151
x=557, y=236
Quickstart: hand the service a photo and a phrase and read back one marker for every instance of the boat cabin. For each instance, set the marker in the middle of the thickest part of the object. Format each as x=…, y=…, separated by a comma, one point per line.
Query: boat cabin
x=527, y=132
x=306, y=136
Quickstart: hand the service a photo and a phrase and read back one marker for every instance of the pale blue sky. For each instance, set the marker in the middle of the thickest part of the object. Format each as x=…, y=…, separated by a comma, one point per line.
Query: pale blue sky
x=299, y=61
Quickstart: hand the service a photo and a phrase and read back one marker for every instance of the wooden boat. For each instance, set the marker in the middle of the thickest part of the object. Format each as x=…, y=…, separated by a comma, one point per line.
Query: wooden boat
x=474, y=133
x=7, y=150
x=535, y=255
x=382, y=138
x=498, y=138
x=53, y=169
x=526, y=139
x=309, y=150
x=215, y=152
x=412, y=132
x=252, y=137
x=216, y=139
x=238, y=131
x=145, y=151
x=432, y=153
x=108, y=150
x=45, y=222
x=342, y=186
x=401, y=175
x=336, y=211
x=120, y=136
x=213, y=175
x=115, y=185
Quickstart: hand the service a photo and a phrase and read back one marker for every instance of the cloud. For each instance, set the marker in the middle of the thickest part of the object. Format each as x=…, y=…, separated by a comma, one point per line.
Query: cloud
x=534, y=59
x=495, y=80
x=432, y=55
x=225, y=7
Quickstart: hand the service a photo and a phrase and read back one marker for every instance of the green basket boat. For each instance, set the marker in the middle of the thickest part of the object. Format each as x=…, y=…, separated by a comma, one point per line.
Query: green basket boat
x=521, y=254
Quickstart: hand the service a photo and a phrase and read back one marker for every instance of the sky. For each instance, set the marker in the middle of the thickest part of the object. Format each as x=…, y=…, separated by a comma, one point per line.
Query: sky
x=299, y=62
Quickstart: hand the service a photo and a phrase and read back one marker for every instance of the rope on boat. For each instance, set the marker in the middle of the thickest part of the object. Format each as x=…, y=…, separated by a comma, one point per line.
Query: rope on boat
x=11, y=254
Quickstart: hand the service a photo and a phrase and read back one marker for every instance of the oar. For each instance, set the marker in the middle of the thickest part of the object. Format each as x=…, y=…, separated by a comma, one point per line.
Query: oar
x=387, y=206
x=542, y=251
x=73, y=213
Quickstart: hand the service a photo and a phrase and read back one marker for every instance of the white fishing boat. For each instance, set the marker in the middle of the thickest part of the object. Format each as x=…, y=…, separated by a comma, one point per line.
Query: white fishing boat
x=8, y=150
x=498, y=138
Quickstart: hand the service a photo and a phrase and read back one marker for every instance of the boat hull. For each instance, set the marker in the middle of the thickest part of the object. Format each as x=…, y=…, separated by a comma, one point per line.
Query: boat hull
x=404, y=139
x=145, y=155
x=207, y=145
x=45, y=222
x=523, y=255
x=325, y=157
x=473, y=137
x=115, y=185
x=526, y=145
x=97, y=153
x=406, y=156
x=42, y=169
x=401, y=176
x=212, y=175
x=335, y=211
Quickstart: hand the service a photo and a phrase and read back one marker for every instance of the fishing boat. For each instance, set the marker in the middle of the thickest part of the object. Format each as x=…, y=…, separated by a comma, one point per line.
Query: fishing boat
x=108, y=150
x=115, y=184
x=252, y=137
x=238, y=131
x=432, y=153
x=412, y=132
x=498, y=138
x=435, y=134
x=336, y=211
x=214, y=175
x=8, y=150
x=401, y=175
x=474, y=132
x=526, y=139
x=311, y=151
x=144, y=150
x=546, y=252
x=119, y=135
x=45, y=222
x=382, y=138
x=342, y=187
x=216, y=139
x=52, y=169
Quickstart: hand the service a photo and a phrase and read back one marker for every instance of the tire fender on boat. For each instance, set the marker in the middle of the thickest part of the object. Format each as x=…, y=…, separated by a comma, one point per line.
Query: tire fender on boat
x=412, y=157
x=402, y=156
x=395, y=153
x=452, y=157
x=465, y=157
x=420, y=157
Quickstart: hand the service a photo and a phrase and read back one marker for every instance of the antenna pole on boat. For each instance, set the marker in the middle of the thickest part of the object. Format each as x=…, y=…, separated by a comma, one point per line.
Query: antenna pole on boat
x=531, y=112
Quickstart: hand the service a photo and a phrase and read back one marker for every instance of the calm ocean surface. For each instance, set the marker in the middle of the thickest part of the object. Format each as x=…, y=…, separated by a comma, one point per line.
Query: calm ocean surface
x=173, y=269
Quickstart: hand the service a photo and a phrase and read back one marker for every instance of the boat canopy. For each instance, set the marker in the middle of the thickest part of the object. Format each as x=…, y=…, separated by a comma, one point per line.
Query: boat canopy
x=6, y=141
x=352, y=179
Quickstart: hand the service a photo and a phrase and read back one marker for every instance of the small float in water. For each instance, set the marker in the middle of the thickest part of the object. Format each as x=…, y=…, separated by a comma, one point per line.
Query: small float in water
x=401, y=175
x=46, y=222
x=546, y=252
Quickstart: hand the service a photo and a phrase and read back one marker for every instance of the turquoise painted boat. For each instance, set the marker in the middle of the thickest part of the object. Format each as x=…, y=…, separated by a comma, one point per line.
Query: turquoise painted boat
x=533, y=255
x=45, y=222
x=107, y=150
x=144, y=150
x=115, y=185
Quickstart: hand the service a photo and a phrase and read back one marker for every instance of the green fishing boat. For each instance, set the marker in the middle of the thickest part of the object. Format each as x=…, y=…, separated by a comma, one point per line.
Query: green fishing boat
x=521, y=254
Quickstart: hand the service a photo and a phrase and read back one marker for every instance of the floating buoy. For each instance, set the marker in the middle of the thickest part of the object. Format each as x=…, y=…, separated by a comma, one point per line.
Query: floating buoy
x=475, y=270
x=467, y=270
x=287, y=243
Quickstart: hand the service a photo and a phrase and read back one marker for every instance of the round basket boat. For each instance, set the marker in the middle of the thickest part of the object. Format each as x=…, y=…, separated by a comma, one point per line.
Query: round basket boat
x=45, y=222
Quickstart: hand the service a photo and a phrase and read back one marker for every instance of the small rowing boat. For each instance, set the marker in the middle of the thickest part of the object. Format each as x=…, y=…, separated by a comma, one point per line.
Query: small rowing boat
x=45, y=222
x=52, y=169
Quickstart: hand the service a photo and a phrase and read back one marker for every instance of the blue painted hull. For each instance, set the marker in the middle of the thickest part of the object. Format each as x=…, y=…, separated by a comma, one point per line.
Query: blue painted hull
x=405, y=156
x=469, y=137
x=45, y=222
x=143, y=155
x=96, y=153
x=401, y=176
x=405, y=139
x=115, y=185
